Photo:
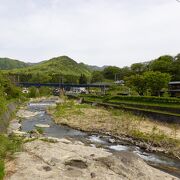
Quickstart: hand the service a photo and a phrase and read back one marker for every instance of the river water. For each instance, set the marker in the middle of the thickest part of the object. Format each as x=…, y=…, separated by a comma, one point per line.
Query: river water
x=156, y=160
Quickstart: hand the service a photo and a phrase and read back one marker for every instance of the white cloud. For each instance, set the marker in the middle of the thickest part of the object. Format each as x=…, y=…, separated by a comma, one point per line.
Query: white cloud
x=117, y=32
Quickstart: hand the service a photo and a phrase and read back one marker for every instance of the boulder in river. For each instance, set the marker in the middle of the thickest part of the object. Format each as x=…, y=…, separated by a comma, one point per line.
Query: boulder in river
x=42, y=125
x=26, y=114
x=13, y=126
x=19, y=133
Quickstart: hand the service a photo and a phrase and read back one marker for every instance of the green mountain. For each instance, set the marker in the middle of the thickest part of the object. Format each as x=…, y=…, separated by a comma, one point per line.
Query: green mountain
x=59, y=65
x=6, y=63
x=56, y=69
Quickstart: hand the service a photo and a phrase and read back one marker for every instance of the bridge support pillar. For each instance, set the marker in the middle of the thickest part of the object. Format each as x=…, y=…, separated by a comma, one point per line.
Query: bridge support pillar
x=103, y=90
x=61, y=91
x=88, y=90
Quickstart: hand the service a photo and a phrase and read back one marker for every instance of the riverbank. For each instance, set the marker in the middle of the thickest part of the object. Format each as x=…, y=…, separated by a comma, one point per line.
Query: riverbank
x=8, y=145
x=7, y=115
x=147, y=134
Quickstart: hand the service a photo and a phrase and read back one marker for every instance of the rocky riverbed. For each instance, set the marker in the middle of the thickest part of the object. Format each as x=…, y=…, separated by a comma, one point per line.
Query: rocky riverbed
x=66, y=160
x=63, y=158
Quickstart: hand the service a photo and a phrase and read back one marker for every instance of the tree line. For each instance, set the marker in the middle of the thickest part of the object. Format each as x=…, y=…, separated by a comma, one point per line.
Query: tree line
x=151, y=76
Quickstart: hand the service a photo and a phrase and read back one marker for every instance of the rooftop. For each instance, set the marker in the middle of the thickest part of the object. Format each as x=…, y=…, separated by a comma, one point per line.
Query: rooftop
x=174, y=82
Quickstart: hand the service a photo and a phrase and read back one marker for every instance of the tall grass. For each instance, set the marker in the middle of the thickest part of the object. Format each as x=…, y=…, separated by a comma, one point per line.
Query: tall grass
x=69, y=108
x=8, y=145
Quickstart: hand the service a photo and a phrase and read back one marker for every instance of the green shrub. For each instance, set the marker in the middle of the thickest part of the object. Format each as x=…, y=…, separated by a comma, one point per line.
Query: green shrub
x=40, y=130
x=32, y=92
x=45, y=91
x=1, y=169
x=2, y=105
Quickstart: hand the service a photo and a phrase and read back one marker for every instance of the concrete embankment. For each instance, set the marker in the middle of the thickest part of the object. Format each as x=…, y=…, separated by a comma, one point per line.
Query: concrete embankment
x=7, y=115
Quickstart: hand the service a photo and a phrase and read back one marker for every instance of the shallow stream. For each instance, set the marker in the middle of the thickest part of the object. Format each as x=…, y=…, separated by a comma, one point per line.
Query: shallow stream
x=157, y=160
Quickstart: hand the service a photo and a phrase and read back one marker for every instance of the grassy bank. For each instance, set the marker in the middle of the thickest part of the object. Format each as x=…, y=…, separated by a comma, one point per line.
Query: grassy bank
x=140, y=100
x=159, y=108
x=120, y=123
x=8, y=145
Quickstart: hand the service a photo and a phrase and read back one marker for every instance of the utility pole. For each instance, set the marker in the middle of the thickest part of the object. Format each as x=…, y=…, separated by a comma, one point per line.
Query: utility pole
x=18, y=78
x=61, y=88
x=116, y=77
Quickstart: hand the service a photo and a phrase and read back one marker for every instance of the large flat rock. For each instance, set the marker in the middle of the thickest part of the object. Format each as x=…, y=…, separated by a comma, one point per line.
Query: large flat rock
x=26, y=114
x=66, y=160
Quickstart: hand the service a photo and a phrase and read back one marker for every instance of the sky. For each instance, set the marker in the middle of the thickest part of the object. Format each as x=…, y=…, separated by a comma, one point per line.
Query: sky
x=96, y=32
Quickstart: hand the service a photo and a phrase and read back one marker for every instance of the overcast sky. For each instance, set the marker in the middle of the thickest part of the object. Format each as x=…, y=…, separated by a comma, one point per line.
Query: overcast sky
x=100, y=32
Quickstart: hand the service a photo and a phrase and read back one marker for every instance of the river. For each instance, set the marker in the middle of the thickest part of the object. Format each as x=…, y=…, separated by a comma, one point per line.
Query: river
x=160, y=161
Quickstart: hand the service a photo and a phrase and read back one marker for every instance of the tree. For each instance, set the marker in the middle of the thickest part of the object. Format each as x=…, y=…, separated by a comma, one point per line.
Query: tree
x=176, y=68
x=8, y=88
x=138, y=82
x=125, y=72
x=82, y=79
x=155, y=81
x=163, y=64
x=110, y=71
x=138, y=68
x=97, y=76
x=40, y=78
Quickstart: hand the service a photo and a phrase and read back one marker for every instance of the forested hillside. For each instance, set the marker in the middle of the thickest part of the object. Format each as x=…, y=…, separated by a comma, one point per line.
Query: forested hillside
x=56, y=69
x=6, y=63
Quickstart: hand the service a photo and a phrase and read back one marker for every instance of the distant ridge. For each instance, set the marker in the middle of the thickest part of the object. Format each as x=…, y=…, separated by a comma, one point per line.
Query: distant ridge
x=7, y=63
x=94, y=67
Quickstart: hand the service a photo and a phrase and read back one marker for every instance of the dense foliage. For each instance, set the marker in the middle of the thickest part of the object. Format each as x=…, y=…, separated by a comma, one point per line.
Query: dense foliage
x=163, y=64
x=83, y=79
x=8, y=91
x=152, y=81
x=97, y=76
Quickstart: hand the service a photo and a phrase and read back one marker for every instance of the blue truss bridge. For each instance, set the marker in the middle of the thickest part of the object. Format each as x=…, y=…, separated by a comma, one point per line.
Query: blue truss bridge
x=62, y=85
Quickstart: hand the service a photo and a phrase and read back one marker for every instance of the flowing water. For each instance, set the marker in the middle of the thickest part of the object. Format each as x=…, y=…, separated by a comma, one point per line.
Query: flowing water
x=159, y=161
